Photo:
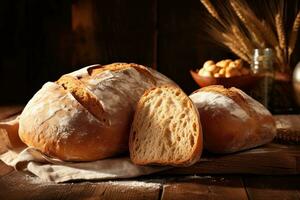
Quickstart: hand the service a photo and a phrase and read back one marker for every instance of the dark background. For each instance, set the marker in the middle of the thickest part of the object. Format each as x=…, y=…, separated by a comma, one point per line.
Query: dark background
x=43, y=39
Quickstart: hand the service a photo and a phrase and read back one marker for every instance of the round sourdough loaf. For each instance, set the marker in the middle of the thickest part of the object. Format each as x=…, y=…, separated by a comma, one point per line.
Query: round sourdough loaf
x=232, y=120
x=86, y=115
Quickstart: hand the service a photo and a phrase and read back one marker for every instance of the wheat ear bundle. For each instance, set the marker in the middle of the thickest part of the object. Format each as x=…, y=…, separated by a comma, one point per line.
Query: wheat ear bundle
x=212, y=10
x=254, y=31
x=294, y=35
x=241, y=30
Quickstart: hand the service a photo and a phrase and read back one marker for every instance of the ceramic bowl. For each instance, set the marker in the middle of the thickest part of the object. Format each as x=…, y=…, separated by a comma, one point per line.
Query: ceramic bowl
x=241, y=82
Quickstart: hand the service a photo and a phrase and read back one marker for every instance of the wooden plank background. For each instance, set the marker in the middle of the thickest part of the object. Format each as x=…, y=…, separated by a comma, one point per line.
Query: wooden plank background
x=41, y=40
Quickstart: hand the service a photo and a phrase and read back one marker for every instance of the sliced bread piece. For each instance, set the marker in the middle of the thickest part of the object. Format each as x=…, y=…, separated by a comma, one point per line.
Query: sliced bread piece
x=166, y=129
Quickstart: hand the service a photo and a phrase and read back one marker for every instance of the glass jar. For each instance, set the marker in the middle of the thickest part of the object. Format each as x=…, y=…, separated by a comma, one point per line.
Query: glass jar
x=262, y=66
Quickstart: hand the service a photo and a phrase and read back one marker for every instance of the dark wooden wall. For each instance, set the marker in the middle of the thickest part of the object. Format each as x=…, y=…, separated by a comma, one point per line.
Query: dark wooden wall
x=41, y=40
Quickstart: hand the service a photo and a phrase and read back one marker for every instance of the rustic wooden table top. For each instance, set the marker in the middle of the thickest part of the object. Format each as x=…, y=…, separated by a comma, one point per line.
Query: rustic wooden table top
x=268, y=172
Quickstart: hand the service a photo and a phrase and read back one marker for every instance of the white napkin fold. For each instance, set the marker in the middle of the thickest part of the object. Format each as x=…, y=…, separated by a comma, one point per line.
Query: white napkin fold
x=49, y=169
x=31, y=160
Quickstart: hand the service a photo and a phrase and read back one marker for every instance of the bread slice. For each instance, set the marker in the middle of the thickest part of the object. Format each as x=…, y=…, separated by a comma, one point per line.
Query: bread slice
x=166, y=129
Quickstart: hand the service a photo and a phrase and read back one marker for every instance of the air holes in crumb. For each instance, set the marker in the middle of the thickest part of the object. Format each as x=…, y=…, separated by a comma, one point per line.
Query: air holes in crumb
x=177, y=93
x=170, y=101
x=158, y=92
x=194, y=127
x=158, y=103
x=184, y=103
x=167, y=133
x=178, y=138
x=182, y=116
x=192, y=140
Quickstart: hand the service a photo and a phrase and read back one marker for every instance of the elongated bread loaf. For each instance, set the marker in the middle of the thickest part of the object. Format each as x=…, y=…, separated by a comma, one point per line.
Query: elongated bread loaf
x=86, y=115
x=232, y=120
x=166, y=129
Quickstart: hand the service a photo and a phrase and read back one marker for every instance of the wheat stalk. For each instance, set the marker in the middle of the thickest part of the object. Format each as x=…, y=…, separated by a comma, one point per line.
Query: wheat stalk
x=242, y=39
x=269, y=34
x=294, y=34
x=230, y=41
x=212, y=10
x=236, y=50
x=280, y=31
x=280, y=56
x=241, y=30
x=230, y=37
x=266, y=30
x=251, y=28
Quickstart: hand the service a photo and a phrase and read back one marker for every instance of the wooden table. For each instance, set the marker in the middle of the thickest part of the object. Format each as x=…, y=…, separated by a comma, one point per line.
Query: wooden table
x=269, y=172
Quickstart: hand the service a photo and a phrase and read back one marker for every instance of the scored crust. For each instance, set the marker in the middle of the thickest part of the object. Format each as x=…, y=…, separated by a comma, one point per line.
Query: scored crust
x=81, y=94
x=122, y=66
x=86, y=115
x=147, y=122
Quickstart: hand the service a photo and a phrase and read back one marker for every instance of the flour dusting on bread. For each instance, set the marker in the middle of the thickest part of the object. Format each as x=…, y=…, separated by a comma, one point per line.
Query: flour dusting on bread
x=231, y=120
x=86, y=114
x=214, y=100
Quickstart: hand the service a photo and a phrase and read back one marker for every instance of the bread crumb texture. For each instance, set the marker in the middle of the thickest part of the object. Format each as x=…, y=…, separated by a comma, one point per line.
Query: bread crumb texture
x=166, y=128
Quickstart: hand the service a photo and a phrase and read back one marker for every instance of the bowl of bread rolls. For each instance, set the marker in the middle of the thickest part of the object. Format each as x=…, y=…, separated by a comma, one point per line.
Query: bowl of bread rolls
x=229, y=73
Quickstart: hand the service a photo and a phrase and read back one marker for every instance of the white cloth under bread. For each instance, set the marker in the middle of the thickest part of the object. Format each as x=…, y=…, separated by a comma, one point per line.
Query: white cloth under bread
x=30, y=160
x=49, y=169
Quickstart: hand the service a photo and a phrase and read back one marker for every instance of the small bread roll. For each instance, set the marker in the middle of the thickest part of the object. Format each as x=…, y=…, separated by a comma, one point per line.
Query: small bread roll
x=200, y=71
x=231, y=120
x=208, y=63
x=232, y=65
x=222, y=71
x=217, y=75
x=223, y=63
x=224, y=68
x=205, y=73
x=213, y=69
x=238, y=63
x=232, y=72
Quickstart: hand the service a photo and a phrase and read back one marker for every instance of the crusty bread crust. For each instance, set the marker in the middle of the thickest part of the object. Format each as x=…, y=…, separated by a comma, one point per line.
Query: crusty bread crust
x=231, y=120
x=122, y=66
x=86, y=115
x=82, y=95
x=192, y=155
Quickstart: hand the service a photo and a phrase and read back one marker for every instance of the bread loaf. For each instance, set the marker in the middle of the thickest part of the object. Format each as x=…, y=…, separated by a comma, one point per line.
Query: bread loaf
x=232, y=120
x=9, y=134
x=166, y=129
x=86, y=115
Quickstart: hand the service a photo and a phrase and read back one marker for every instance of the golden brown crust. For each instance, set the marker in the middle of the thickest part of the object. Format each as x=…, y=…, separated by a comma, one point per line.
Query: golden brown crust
x=121, y=66
x=64, y=119
x=82, y=95
x=233, y=93
x=231, y=120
